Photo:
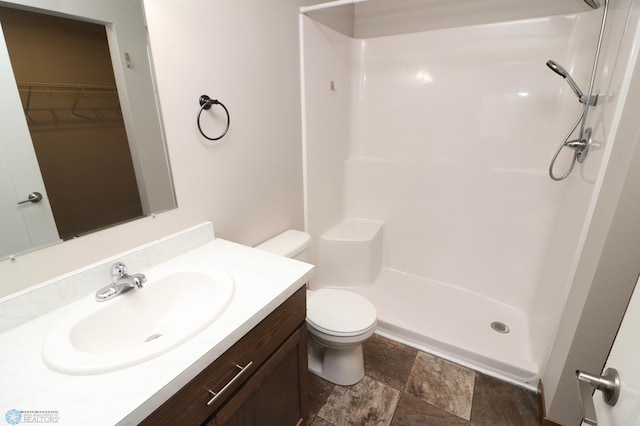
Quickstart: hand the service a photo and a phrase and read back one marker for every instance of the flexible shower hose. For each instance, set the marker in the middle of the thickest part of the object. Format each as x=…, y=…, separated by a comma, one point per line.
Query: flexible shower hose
x=562, y=145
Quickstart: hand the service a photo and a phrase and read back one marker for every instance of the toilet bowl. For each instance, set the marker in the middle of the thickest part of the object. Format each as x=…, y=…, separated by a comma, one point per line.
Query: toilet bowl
x=338, y=321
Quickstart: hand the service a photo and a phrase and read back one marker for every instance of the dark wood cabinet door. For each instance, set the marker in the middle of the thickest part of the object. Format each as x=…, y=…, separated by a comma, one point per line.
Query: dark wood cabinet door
x=277, y=394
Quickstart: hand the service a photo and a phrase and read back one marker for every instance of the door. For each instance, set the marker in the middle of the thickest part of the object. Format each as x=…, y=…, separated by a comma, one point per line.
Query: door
x=23, y=226
x=625, y=358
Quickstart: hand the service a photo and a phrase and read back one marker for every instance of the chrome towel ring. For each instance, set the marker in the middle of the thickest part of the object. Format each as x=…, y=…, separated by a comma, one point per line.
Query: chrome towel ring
x=205, y=103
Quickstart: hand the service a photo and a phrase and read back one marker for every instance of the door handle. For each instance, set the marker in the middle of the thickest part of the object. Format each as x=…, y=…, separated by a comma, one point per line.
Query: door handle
x=34, y=197
x=608, y=384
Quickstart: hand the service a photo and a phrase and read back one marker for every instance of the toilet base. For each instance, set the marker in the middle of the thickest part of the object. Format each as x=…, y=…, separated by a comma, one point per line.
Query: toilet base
x=343, y=367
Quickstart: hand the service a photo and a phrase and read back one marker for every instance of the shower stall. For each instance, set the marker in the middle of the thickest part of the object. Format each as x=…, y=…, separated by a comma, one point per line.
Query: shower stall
x=428, y=131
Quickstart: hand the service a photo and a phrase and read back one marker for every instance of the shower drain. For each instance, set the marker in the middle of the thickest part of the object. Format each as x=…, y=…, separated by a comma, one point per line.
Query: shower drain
x=500, y=327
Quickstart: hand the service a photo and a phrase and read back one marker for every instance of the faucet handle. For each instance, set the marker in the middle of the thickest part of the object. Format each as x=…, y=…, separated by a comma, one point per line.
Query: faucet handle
x=118, y=270
x=139, y=279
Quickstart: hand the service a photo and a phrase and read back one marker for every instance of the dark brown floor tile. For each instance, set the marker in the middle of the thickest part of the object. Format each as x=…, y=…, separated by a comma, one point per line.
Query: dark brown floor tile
x=437, y=392
x=319, y=391
x=413, y=411
x=498, y=403
x=387, y=361
x=442, y=383
x=318, y=421
x=366, y=403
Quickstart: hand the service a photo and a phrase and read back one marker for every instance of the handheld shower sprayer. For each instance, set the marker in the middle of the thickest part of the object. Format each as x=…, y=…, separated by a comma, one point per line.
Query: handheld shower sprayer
x=555, y=67
x=594, y=4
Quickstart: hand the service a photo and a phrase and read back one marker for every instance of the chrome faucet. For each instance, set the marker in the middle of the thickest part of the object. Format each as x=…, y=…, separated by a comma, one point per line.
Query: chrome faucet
x=121, y=282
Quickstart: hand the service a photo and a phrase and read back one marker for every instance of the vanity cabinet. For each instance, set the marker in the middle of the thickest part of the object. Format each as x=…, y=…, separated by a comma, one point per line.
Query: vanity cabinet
x=260, y=380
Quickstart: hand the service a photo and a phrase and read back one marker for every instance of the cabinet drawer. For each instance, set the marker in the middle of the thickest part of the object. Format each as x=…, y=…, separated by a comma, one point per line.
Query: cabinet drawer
x=189, y=405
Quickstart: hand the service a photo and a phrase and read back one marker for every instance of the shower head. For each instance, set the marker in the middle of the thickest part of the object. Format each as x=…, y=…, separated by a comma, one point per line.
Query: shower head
x=594, y=4
x=555, y=67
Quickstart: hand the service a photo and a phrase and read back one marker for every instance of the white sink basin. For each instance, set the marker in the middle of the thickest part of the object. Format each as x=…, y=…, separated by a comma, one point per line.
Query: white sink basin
x=175, y=304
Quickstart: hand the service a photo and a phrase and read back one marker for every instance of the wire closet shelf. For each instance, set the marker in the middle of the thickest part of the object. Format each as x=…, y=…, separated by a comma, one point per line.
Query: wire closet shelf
x=54, y=105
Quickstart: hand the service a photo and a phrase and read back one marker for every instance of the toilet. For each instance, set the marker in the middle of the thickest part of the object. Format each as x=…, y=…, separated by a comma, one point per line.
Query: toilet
x=338, y=321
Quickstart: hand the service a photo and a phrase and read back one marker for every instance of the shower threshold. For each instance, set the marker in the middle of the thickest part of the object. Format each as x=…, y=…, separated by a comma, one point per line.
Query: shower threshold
x=458, y=325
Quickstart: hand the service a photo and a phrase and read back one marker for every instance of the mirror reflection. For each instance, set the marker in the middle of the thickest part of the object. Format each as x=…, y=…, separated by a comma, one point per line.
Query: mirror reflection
x=68, y=140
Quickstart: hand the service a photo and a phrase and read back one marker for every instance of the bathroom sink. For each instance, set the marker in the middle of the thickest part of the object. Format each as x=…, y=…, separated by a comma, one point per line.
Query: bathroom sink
x=174, y=305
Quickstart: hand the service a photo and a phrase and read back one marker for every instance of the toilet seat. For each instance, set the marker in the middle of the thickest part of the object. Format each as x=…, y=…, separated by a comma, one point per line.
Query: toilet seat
x=340, y=313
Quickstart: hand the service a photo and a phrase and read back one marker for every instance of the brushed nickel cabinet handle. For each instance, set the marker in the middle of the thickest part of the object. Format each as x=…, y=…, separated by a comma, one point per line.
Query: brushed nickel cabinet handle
x=216, y=395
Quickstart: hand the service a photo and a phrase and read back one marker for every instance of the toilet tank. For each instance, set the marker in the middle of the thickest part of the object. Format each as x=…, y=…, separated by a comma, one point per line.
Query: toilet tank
x=290, y=243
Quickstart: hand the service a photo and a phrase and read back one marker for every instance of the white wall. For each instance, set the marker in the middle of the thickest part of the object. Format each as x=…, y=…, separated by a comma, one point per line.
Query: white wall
x=246, y=55
x=450, y=136
x=376, y=18
x=327, y=58
x=250, y=185
x=456, y=114
x=339, y=18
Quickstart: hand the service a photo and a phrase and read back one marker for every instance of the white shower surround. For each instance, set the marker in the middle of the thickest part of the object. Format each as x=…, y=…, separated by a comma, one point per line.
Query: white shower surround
x=446, y=137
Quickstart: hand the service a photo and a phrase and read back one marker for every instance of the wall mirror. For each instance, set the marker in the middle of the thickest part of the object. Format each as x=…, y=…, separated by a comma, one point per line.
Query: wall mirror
x=82, y=145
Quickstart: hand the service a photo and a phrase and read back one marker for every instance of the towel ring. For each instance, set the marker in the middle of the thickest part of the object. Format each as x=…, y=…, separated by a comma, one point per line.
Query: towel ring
x=205, y=103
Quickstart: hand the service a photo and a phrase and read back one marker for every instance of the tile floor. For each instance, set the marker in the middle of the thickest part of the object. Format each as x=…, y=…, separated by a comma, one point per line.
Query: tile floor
x=404, y=386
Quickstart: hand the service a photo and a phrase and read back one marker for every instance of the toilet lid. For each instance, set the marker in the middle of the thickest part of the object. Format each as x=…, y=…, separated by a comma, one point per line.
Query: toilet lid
x=340, y=312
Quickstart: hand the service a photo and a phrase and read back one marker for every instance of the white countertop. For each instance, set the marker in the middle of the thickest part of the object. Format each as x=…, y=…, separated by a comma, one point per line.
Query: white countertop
x=262, y=282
